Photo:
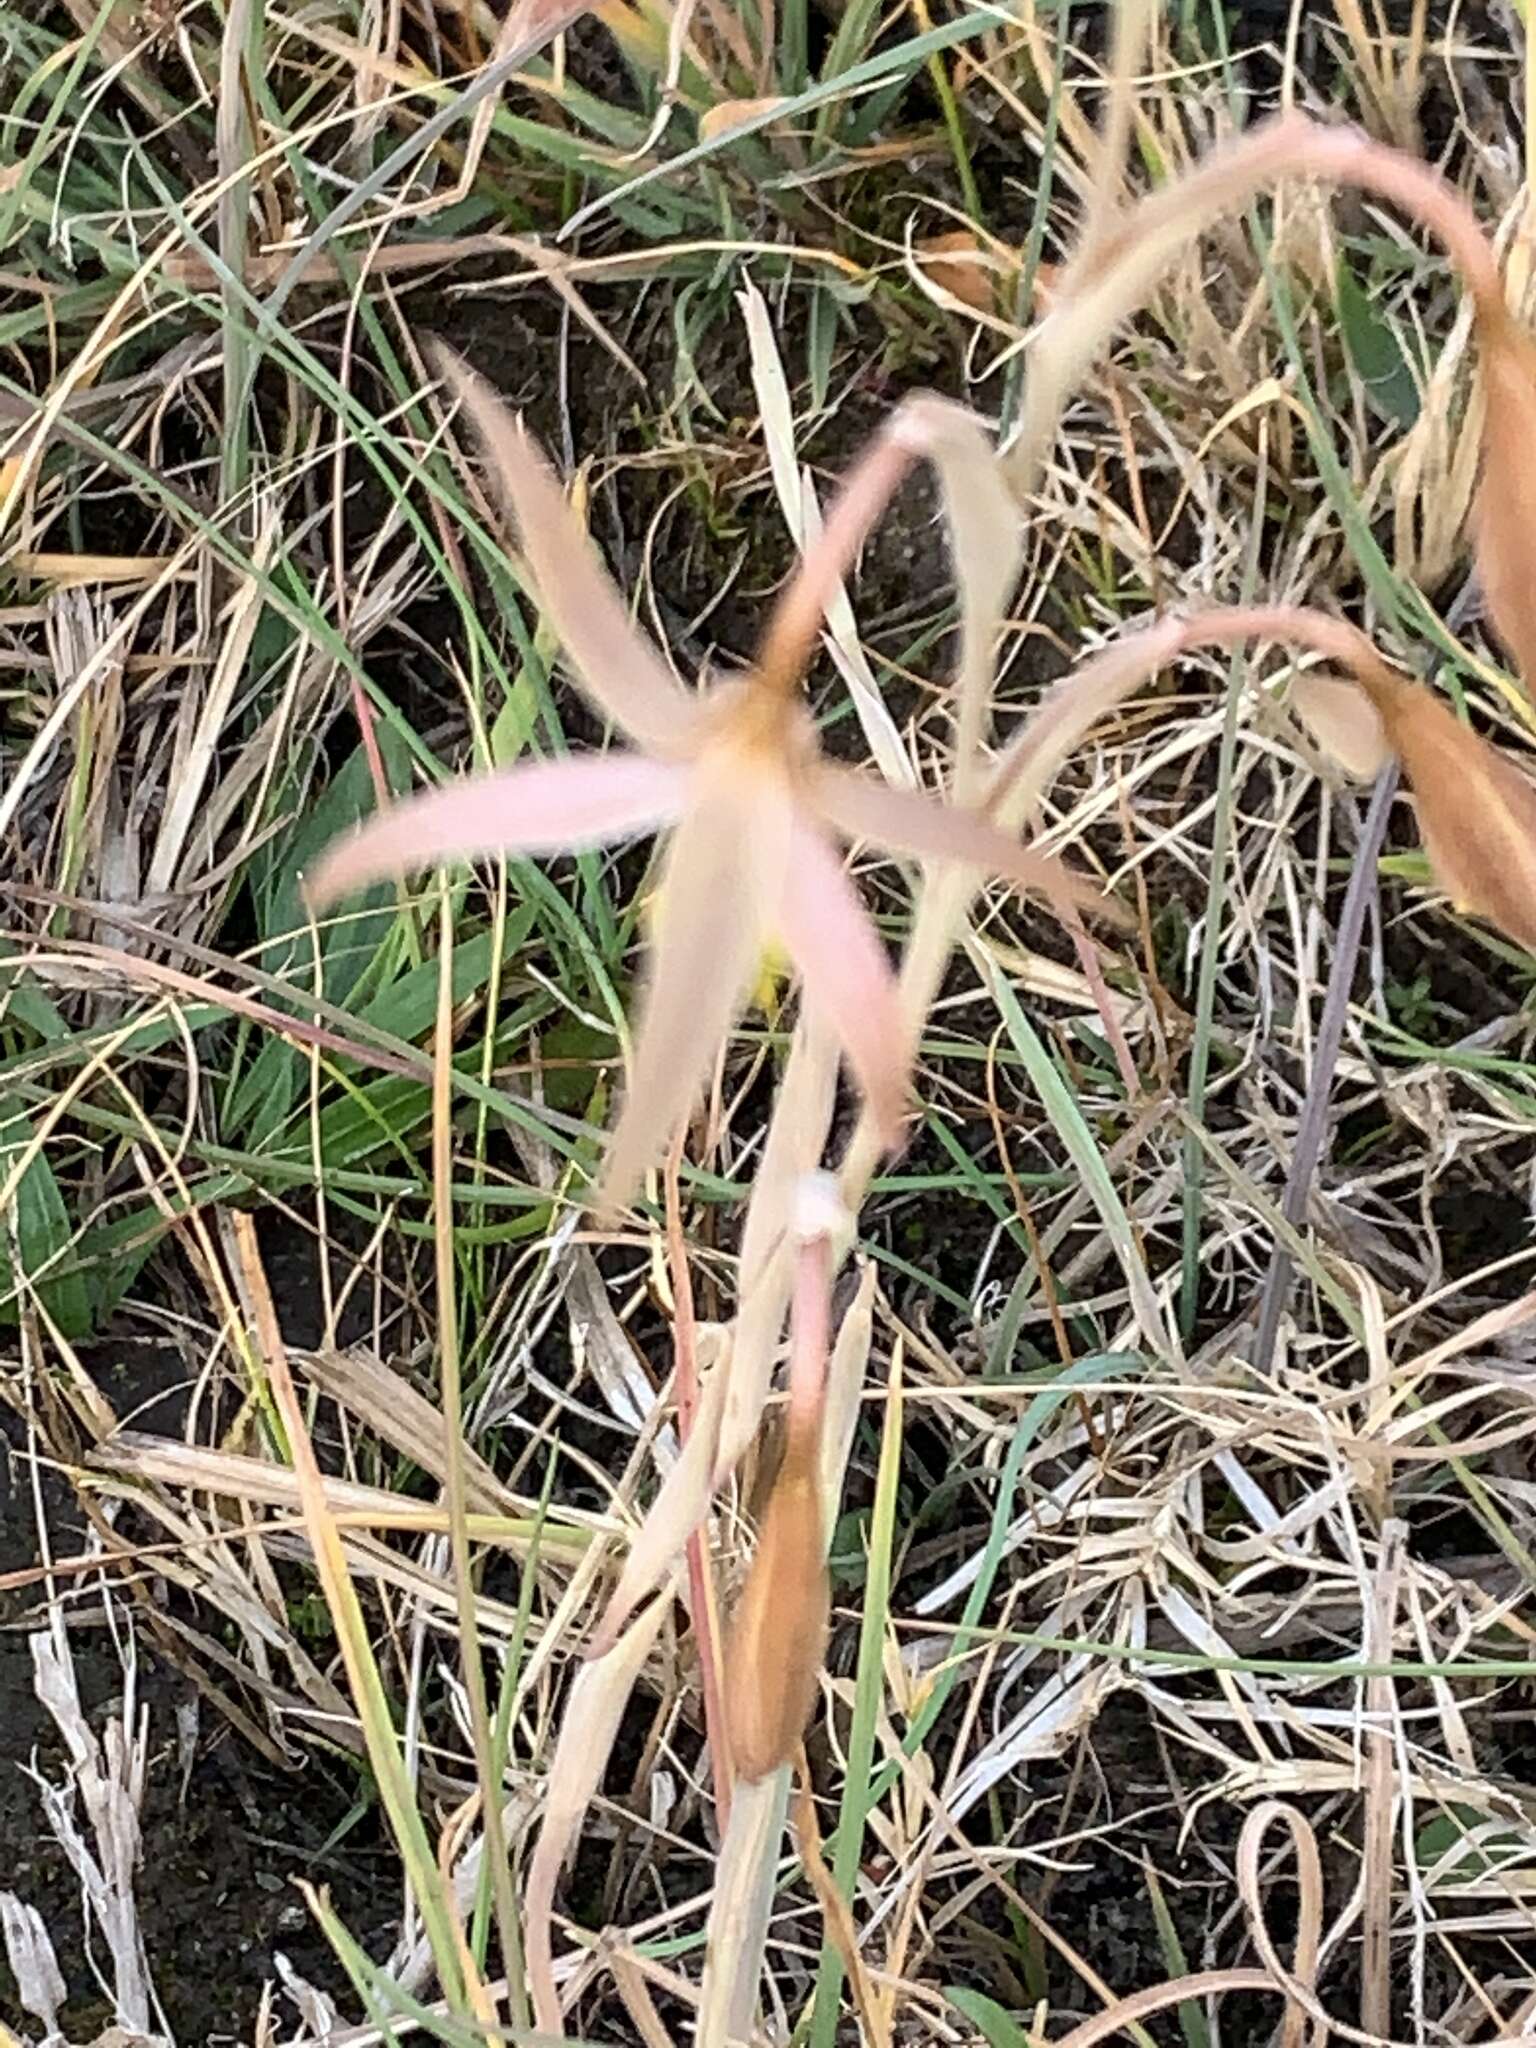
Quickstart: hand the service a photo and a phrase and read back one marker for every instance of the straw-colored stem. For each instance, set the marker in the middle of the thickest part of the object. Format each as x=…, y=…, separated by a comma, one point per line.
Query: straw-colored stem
x=810, y=1339
x=701, y=1591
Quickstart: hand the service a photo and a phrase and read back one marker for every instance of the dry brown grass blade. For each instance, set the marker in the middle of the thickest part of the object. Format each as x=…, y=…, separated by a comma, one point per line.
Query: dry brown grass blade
x=1380, y=1791
x=836, y=1916
x=796, y=493
x=40, y=1987
x=1297, y=1983
x=678, y=1509
x=387, y=1405
x=231, y=1475
x=638, y=2002
x=66, y=570
x=202, y=729
x=1392, y=89
x=1129, y=2012
x=100, y=1837
x=397, y=1789
x=82, y=963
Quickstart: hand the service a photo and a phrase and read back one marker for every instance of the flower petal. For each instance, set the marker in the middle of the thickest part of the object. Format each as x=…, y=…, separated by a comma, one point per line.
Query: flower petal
x=1343, y=721
x=539, y=807
x=1506, y=496
x=907, y=823
x=847, y=977
x=706, y=952
x=1477, y=811
x=614, y=664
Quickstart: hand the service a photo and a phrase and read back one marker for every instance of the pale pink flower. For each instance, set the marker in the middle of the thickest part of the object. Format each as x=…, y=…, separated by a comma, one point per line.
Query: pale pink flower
x=735, y=773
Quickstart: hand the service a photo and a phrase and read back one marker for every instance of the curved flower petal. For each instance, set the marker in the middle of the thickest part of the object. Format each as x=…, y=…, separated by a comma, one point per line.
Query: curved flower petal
x=848, y=979
x=907, y=823
x=614, y=664
x=1343, y=721
x=539, y=807
x=1477, y=812
x=712, y=927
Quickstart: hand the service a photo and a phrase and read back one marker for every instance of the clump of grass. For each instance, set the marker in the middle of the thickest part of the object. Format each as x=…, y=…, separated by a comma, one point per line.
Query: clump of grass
x=1297, y=1553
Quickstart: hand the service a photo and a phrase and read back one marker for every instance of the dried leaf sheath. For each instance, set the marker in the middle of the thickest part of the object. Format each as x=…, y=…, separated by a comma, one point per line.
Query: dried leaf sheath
x=779, y=1634
x=1504, y=509
x=1477, y=811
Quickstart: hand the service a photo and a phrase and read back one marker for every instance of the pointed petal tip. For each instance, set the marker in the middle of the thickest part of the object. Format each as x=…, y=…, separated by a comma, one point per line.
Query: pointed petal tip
x=909, y=823
x=446, y=361
x=459, y=374
x=635, y=1145
x=342, y=868
x=612, y=1196
x=616, y=665
x=888, y=1113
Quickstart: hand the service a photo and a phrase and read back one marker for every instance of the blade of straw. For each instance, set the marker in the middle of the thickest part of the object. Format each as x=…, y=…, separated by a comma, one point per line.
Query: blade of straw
x=737, y=1933
x=363, y=1675
x=868, y=1689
